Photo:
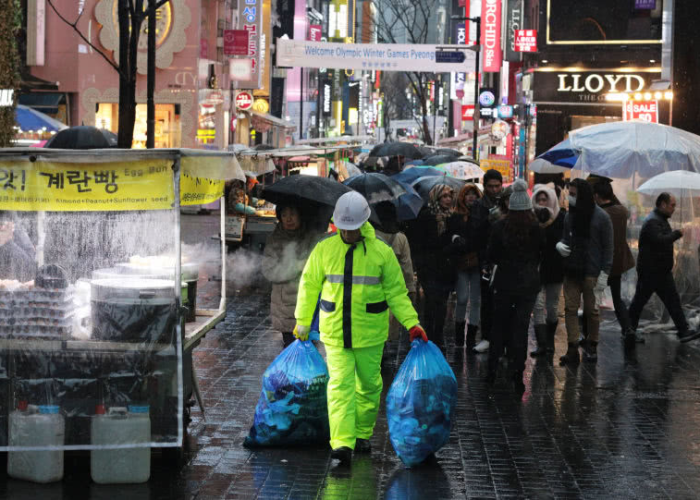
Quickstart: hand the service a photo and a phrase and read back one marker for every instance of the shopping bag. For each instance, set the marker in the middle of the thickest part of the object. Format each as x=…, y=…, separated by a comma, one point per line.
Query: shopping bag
x=292, y=407
x=421, y=403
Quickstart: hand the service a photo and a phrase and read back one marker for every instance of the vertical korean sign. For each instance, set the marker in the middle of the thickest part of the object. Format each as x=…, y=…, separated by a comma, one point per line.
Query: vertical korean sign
x=459, y=79
x=491, y=35
x=247, y=71
x=514, y=22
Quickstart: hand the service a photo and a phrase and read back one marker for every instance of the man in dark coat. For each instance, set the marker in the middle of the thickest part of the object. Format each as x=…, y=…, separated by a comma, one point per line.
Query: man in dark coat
x=493, y=189
x=623, y=260
x=655, y=265
x=587, y=248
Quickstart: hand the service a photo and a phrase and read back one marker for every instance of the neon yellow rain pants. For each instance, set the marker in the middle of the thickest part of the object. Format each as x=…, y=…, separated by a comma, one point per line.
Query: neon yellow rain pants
x=354, y=392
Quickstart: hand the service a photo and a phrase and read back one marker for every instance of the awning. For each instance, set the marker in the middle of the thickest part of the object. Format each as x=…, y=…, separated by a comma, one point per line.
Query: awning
x=273, y=120
x=455, y=139
x=46, y=102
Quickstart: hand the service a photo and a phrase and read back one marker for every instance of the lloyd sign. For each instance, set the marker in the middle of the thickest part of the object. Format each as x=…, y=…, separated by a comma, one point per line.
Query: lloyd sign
x=586, y=86
x=647, y=111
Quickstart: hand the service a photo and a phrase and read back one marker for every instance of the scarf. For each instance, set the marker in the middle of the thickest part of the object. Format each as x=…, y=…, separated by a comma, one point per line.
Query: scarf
x=441, y=214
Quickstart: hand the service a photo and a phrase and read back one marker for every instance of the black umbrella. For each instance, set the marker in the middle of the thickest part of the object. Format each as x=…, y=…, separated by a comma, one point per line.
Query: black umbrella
x=425, y=184
x=396, y=149
x=314, y=196
x=438, y=159
x=83, y=137
x=378, y=188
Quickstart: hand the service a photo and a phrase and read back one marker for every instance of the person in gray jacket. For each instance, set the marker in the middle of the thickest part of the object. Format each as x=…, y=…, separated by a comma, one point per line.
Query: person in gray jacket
x=286, y=252
x=587, y=248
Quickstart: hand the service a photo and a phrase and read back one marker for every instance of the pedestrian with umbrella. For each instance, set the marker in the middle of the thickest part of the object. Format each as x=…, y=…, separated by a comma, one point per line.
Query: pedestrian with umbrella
x=623, y=260
x=359, y=280
x=467, y=251
x=387, y=230
x=286, y=251
x=515, y=247
x=83, y=137
x=435, y=272
x=587, y=249
x=655, y=265
x=493, y=190
x=546, y=312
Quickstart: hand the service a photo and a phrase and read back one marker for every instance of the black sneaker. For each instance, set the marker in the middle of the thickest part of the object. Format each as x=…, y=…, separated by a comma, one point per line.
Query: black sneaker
x=343, y=454
x=688, y=335
x=363, y=446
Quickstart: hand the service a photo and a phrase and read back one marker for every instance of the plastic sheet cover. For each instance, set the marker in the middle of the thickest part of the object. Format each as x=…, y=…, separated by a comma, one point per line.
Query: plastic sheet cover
x=421, y=403
x=77, y=354
x=686, y=270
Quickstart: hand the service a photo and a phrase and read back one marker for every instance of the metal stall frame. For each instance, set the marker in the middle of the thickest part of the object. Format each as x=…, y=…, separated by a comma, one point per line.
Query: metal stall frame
x=206, y=319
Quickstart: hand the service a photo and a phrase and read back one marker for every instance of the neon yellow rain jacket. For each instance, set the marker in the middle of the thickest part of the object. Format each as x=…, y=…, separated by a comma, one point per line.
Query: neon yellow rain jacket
x=358, y=284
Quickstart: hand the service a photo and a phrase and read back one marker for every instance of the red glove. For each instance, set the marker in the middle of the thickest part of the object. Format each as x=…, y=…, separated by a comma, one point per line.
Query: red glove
x=417, y=332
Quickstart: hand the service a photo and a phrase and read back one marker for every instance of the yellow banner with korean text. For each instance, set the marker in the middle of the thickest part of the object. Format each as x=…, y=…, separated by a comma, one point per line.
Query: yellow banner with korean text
x=59, y=187
x=199, y=190
x=139, y=185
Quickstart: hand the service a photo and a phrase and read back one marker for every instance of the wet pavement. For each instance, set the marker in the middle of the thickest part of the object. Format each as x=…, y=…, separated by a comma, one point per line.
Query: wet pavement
x=626, y=427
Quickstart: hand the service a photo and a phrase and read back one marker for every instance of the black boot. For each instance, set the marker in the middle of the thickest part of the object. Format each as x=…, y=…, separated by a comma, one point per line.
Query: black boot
x=551, y=333
x=471, y=336
x=541, y=336
x=518, y=384
x=571, y=357
x=590, y=351
x=459, y=333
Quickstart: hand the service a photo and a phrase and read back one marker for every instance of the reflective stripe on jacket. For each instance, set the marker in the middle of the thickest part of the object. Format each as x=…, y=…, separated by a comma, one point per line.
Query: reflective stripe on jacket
x=358, y=284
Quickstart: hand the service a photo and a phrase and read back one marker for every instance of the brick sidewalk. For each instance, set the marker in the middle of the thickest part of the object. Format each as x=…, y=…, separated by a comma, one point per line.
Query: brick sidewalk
x=624, y=428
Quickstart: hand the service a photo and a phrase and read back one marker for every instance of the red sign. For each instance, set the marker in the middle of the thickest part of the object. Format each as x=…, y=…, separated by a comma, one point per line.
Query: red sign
x=526, y=40
x=236, y=42
x=467, y=112
x=315, y=31
x=491, y=35
x=244, y=100
x=647, y=111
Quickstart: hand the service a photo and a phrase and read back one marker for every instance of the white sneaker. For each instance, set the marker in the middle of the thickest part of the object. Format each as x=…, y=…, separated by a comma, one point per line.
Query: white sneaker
x=482, y=346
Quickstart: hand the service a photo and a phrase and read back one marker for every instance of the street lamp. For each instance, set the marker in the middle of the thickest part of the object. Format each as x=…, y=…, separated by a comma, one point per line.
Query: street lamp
x=476, y=20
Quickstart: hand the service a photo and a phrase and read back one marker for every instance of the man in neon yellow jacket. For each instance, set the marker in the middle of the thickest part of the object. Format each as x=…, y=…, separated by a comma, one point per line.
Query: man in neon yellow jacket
x=359, y=279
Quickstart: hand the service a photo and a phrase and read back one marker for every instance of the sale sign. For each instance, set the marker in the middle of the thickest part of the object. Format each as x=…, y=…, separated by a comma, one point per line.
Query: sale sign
x=647, y=111
x=526, y=40
x=236, y=42
x=491, y=35
x=244, y=100
x=467, y=112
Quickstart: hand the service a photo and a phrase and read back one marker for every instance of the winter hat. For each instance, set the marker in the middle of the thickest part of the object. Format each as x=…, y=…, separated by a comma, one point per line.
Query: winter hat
x=519, y=200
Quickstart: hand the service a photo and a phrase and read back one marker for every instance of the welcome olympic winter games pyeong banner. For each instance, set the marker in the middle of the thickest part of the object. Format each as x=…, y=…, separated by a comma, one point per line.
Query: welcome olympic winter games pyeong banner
x=371, y=56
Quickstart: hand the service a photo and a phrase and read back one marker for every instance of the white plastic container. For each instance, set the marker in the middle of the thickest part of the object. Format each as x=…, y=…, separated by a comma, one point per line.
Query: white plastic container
x=119, y=426
x=36, y=426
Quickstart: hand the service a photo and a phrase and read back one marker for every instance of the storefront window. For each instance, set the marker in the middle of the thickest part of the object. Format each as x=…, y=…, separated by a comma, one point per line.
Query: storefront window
x=167, y=133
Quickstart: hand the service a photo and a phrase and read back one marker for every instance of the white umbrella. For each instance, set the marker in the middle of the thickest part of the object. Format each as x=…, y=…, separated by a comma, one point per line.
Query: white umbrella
x=463, y=170
x=622, y=149
x=680, y=183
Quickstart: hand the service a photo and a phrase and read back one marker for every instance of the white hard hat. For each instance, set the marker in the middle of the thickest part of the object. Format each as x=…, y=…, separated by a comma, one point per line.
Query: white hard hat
x=351, y=211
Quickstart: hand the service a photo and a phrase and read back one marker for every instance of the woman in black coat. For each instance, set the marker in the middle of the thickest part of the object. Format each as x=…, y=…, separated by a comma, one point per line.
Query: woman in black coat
x=435, y=273
x=515, y=248
x=546, y=313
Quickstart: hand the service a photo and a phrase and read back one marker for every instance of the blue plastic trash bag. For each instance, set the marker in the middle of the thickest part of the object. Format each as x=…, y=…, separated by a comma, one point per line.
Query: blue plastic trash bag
x=421, y=403
x=292, y=407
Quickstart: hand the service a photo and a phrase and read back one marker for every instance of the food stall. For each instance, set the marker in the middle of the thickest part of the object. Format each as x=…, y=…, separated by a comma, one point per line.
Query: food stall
x=249, y=221
x=102, y=334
